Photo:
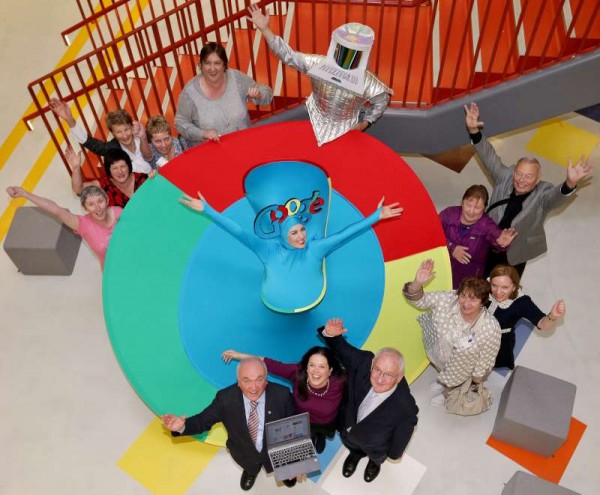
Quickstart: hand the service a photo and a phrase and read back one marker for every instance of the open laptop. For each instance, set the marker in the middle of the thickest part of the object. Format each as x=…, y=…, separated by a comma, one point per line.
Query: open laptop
x=290, y=448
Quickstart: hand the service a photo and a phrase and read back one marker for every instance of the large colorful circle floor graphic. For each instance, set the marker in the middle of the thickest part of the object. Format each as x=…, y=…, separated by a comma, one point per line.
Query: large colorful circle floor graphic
x=178, y=291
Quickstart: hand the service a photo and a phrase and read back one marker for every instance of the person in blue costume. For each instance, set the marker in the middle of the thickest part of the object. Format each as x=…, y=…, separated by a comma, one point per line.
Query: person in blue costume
x=294, y=263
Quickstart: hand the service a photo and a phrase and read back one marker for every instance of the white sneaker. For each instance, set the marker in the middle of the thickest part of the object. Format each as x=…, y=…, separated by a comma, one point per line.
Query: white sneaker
x=436, y=387
x=437, y=400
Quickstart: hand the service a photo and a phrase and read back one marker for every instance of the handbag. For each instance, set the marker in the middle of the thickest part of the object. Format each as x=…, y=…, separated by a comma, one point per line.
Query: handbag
x=468, y=399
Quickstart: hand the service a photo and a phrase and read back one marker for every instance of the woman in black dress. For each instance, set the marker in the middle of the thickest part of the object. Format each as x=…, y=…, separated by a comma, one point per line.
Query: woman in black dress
x=509, y=305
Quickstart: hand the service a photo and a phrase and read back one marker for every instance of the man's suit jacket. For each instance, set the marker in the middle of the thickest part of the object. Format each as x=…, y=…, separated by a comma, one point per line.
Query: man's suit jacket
x=228, y=408
x=529, y=223
x=387, y=430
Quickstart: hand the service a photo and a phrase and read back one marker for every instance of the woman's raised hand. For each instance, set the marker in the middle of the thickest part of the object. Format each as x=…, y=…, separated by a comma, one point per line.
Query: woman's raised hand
x=60, y=108
x=15, y=192
x=193, y=203
x=389, y=211
x=425, y=272
x=73, y=159
x=558, y=309
x=231, y=355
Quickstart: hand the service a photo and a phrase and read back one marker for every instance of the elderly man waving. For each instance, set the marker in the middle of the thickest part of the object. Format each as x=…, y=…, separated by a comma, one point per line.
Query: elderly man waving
x=378, y=414
x=520, y=199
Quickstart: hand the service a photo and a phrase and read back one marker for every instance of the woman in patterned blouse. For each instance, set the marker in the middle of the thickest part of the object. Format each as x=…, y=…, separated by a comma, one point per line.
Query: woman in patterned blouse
x=120, y=181
x=461, y=337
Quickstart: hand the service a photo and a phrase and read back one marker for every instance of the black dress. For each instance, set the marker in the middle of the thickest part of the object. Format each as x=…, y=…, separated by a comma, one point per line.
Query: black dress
x=522, y=307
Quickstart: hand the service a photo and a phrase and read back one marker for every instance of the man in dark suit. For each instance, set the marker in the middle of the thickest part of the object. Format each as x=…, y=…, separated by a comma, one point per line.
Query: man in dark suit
x=378, y=414
x=243, y=408
x=520, y=199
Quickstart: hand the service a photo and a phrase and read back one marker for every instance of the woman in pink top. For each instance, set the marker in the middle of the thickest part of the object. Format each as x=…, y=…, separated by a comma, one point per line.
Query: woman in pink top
x=95, y=228
x=317, y=387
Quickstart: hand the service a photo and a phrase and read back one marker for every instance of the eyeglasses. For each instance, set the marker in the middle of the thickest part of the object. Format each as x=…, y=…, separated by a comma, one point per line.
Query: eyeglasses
x=521, y=175
x=377, y=372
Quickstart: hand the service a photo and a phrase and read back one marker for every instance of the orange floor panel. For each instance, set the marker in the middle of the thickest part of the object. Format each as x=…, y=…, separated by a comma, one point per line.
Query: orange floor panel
x=548, y=468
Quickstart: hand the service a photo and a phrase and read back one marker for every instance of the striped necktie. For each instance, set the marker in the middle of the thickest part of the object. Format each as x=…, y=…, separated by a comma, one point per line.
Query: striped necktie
x=253, y=421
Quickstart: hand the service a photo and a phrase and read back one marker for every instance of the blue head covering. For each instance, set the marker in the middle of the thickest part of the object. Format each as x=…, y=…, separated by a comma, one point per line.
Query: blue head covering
x=285, y=227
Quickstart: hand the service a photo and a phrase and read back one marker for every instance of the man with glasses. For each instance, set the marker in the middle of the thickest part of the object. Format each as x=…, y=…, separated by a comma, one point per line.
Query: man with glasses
x=520, y=199
x=378, y=414
x=243, y=408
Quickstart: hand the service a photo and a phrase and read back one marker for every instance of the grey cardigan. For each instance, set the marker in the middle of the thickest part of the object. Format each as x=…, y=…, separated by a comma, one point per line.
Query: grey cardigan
x=196, y=113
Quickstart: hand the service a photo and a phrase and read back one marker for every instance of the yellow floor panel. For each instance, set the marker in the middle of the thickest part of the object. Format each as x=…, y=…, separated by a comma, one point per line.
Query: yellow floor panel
x=166, y=465
x=558, y=141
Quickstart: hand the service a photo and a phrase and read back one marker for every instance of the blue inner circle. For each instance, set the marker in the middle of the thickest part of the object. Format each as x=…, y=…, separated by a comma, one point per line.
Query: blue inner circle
x=220, y=305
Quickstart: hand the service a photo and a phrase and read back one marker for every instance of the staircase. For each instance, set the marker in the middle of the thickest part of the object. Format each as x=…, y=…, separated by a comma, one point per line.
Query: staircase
x=515, y=54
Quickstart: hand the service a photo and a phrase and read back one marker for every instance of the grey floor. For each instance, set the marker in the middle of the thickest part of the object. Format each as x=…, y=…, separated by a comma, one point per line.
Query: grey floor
x=67, y=413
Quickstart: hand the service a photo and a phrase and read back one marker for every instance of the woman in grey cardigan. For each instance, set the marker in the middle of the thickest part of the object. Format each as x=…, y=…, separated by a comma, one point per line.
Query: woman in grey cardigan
x=215, y=101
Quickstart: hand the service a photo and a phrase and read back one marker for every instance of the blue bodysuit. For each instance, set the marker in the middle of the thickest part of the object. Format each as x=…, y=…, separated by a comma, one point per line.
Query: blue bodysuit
x=294, y=279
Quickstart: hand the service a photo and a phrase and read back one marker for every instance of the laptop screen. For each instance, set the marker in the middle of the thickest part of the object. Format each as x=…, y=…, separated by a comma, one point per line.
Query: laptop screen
x=288, y=429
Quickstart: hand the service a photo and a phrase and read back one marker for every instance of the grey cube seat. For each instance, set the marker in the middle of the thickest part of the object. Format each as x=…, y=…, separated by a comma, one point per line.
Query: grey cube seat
x=38, y=244
x=526, y=484
x=535, y=411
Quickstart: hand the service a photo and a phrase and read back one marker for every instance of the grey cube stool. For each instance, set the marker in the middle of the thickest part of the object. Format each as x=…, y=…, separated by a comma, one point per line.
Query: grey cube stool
x=534, y=411
x=38, y=244
x=526, y=484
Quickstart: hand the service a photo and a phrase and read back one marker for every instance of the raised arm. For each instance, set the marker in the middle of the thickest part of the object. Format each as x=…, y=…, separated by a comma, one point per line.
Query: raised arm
x=74, y=160
x=261, y=21
x=234, y=229
x=349, y=356
x=548, y=322
x=62, y=214
x=329, y=244
x=486, y=152
x=472, y=121
x=277, y=45
x=424, y=274
x=577, y=172
x=231, y=355
x=139, y=131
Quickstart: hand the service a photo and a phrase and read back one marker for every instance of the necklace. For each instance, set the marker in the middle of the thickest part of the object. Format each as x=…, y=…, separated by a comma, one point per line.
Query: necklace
x=318, y=394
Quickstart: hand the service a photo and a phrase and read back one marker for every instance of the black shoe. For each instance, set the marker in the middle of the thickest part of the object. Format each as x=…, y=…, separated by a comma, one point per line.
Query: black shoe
x=247, y=481
x=290, y=483
x=319, y=442
x=350, y=466
x=371, y=471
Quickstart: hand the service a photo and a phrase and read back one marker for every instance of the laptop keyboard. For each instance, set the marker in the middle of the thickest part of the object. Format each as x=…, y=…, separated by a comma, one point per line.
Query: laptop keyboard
x=292, y=454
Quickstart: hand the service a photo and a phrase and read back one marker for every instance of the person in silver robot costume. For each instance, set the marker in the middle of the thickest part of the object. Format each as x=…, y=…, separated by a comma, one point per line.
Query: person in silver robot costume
x=341, y=83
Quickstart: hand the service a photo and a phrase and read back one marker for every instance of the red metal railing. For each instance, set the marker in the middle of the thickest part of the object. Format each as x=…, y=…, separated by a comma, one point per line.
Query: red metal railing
x=427, y=51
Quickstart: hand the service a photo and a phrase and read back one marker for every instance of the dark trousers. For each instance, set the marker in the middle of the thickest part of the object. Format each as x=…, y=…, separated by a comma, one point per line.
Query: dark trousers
x=358, y=453
x=499, y=258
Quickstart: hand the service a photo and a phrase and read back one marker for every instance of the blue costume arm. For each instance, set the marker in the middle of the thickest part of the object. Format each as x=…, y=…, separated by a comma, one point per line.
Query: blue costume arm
x=329, y=244
x=248, y=239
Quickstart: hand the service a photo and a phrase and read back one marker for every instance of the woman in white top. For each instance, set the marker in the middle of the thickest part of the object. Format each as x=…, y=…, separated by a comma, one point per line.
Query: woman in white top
x=461, y=337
